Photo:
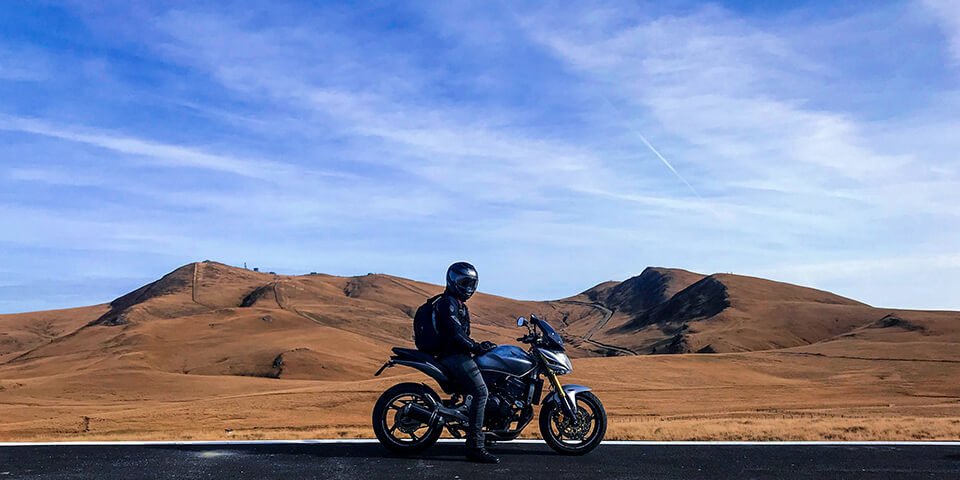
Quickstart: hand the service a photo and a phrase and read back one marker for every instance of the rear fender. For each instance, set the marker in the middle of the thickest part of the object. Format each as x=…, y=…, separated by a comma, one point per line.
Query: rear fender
x=426, y=368
x=432, y=371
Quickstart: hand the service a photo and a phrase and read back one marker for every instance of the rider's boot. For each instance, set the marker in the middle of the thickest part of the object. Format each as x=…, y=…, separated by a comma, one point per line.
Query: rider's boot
x=477, y=451
x=481, y=455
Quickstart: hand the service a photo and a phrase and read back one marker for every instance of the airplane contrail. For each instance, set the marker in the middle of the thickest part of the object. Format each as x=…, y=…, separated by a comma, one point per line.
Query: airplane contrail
x=661, y=157
x=674, y=170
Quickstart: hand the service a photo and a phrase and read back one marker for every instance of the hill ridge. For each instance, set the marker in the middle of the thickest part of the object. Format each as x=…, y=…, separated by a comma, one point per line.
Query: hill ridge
x=661, y=310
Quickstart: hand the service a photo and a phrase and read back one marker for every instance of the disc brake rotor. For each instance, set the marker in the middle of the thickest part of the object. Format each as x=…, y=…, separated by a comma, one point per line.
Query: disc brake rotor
x=404, y=423
x=574, y=428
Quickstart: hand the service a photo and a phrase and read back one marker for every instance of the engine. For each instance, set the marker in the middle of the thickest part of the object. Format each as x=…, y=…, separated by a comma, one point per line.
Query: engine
x=515, y=389
x=507, y=398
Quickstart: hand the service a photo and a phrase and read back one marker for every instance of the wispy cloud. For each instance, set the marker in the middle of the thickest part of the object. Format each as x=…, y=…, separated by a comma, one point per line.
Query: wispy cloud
x=161, y=154
x=707, y=78
x=24, y=64
x=315, y=137
x=441, y=143
x=733, y=100
x=948, y=14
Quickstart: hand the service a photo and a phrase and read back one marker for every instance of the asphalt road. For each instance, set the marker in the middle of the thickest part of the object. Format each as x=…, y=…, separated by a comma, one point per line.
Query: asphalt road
x=518, y=461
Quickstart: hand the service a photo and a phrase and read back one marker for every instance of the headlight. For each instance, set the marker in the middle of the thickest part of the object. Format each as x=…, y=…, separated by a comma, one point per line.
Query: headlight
x=557, y=361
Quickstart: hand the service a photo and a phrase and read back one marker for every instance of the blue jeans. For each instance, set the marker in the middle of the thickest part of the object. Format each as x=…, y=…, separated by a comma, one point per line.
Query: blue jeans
x=466, y=374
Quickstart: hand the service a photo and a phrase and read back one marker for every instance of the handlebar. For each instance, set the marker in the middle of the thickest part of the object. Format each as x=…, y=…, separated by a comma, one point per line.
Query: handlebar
x=528, y=338
x=532, y=336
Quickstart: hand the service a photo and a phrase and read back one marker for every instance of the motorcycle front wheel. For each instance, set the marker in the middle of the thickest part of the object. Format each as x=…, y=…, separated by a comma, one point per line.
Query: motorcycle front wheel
x=574, y=436
x=398, y=432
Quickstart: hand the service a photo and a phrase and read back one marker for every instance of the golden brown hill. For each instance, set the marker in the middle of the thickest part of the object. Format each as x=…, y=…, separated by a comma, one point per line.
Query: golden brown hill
x=675, y=311
x=210, y=347
x=212, y=319
x=636, y=295
x=23, y=332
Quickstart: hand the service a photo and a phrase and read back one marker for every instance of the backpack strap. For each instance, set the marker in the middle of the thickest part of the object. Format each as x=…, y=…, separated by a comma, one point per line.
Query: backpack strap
x=433, y=312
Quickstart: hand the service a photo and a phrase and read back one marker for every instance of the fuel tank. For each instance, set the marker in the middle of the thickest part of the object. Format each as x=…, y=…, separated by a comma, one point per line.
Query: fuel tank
x=507, y=359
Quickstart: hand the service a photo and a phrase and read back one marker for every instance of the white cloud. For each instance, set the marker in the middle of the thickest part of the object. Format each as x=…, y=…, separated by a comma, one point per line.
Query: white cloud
x=732, y=101
x=905, y=281
x=948, y=14
x=354, y=150
x=161, y=154
x=874, y=266
x=443, y=144
x=726, y=93
x=23, y=65
x=712, y=80
x=53, y=177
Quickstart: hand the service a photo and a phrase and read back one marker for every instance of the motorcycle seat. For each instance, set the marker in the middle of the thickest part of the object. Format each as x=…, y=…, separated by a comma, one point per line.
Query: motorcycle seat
x=418, y=356
x=415, y=354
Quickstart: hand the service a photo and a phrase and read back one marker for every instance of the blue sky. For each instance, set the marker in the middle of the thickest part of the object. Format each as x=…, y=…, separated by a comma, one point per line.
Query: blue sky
x=812, y=142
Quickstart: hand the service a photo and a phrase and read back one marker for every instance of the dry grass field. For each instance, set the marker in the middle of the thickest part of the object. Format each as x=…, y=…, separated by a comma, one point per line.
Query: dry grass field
x=215, y=352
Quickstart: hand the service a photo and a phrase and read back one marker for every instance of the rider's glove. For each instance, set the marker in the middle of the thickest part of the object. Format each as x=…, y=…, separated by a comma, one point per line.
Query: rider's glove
x=481, y=348
x=476, y=348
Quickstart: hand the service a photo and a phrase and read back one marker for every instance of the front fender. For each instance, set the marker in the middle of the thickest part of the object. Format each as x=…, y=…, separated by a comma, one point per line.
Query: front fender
x=571, y=391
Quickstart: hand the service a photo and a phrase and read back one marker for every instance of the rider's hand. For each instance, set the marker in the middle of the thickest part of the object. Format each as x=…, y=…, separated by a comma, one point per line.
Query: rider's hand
x=477, y=348
x=483, y=347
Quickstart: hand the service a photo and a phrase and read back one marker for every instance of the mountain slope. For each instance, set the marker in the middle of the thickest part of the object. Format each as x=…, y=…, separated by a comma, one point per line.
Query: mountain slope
x=212, y=319
x=728, y=313
x=213, y=351
x=209, y=318
x=23, y=332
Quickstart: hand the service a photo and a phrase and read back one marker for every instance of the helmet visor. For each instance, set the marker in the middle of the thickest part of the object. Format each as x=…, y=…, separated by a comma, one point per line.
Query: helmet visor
x=467, y=284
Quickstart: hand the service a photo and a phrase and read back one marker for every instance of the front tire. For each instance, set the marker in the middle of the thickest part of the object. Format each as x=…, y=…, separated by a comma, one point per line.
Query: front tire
x=574, y=436
x=397, y=432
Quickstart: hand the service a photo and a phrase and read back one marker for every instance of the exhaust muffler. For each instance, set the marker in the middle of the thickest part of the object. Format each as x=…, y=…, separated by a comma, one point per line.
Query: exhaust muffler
x=421, y=414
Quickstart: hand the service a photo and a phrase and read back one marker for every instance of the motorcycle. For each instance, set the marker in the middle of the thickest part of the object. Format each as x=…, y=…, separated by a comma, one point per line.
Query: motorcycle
x=408, y=418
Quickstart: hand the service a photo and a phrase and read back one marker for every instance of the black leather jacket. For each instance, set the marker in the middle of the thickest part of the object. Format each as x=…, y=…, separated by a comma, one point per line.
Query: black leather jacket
x=453, y=326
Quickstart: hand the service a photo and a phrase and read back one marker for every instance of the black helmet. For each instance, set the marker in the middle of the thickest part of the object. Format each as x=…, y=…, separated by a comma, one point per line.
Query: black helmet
x=462, y=280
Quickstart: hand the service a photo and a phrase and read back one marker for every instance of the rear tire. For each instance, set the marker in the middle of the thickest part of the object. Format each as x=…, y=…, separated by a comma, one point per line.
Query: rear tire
x=398, y=433
x=551, y=413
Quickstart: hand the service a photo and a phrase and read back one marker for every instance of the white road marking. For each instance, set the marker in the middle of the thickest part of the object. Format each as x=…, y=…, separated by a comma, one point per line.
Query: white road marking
x=451, y=440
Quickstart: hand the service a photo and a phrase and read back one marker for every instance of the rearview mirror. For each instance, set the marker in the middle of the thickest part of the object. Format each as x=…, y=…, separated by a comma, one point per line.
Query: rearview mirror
x=521, y=321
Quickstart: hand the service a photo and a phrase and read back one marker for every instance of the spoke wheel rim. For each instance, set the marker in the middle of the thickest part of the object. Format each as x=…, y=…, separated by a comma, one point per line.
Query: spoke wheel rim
x=578, y=433
x=400, y=429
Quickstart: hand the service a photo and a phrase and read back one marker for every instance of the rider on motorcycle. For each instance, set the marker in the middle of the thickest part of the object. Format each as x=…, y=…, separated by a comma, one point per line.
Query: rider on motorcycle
x=452, y=320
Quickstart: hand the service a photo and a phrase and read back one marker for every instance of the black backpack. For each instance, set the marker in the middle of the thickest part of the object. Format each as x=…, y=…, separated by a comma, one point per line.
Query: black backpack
x=425, y=333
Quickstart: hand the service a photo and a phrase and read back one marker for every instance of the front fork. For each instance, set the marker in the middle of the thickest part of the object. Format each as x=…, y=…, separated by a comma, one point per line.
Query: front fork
x=568, y=407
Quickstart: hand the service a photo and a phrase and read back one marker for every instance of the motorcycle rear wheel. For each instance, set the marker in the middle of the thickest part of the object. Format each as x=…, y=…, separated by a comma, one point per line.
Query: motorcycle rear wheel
x=398, y=433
